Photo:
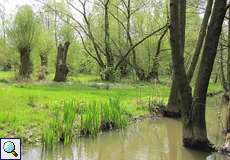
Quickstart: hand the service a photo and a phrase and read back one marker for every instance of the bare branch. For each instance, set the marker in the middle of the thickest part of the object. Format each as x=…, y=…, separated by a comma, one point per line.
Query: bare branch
x=140, y=42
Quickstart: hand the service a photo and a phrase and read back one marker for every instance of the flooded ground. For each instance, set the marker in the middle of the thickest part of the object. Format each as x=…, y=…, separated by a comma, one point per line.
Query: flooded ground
x=148, y=140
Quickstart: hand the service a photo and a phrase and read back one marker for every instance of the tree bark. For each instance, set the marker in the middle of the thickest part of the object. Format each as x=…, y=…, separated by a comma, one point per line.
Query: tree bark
x=223, y=79
x=154, y=73
x=198, y=139
x=200, y=41
x=228, y=61
x=174, y=103
x=177, y=30
x=26, y=66
x=61, y=65
x=174, y=100
x=226, y=97
x=108, y=50
x=44, y=67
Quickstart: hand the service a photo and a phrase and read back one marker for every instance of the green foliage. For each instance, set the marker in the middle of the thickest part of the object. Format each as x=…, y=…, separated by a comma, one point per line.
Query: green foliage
x=66, y=34
x=90, y=120
x=110, y=74
x=45, y=42
x=22, y=32
x=61, y=126
x=110, y=115
x=113, y=115
x=8, y=57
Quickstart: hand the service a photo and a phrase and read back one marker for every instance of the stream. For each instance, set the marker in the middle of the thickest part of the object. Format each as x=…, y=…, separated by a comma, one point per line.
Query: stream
x=159, y=139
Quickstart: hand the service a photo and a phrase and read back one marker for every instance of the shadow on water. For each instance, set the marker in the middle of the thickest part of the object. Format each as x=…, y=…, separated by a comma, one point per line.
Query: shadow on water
x=148, y=140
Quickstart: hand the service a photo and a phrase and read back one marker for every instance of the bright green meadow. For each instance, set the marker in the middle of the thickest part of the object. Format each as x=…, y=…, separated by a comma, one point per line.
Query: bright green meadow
x=28, y=108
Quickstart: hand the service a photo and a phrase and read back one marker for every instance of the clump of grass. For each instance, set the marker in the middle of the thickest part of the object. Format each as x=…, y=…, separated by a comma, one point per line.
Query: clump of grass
x=90, y=120
x=156, y=105
x=113, y=115
x=68, y=122
x=60, y=129
x=51, y=133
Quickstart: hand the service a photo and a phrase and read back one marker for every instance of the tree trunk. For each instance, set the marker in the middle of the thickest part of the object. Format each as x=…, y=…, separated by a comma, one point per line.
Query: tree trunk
x=44, y=67
x=174, y=100
x=226, y=97
x=198, y=139
x=228, y=61
x=177, y=32
x=174, y=103
x=124, y=68
x=26, y=66
x=200, y=41
x=223, y=79
x=61, y=66
x=154, y=73
x=108, y=50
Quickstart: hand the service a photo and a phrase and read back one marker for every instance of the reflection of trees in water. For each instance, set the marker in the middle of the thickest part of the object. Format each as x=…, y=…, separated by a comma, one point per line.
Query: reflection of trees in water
x=148, y=140
x=174, y=137
x=215, y=119
x=59, y=152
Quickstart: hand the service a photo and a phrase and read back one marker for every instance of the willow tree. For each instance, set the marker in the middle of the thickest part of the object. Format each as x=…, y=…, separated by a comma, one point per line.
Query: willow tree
x=65, y=36
x=44, y=46
x=22, y=35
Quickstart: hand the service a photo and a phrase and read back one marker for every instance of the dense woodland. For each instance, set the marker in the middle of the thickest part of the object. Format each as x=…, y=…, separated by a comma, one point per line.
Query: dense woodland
x=187, y=42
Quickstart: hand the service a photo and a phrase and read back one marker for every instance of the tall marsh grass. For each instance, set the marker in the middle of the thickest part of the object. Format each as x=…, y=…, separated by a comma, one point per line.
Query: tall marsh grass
x=90, y=120
x=94, y=118
x=110, y=115
x=60, y=129
x=113, y=115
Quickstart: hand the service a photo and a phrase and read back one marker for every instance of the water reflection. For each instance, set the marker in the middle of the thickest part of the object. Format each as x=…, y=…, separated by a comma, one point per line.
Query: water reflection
x=149, y=140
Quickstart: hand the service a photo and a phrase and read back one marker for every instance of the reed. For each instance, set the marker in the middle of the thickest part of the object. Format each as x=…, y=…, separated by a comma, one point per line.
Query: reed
x=90, y=120
x=113, y=115
x=60, y=128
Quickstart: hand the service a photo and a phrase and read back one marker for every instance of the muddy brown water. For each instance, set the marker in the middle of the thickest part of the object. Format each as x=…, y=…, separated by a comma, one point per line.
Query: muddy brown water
x=147, y=140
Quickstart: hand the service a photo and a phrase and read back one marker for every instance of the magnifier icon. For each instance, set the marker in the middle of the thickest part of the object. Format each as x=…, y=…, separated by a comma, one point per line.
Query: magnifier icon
x=9, y=147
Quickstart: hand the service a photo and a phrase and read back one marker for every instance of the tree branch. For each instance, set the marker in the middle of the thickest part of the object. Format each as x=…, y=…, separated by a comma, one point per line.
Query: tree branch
x=140, y=42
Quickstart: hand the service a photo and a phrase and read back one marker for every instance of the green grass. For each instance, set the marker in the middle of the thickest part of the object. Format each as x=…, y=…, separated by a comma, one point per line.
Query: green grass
x=26, y=107
x=90, y=120
x=114, y=115
x=60, y=128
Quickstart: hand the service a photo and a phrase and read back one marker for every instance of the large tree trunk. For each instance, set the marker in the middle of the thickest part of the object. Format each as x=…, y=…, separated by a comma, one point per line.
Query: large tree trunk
x=177, y=32
x=174, y=101
x=44, y=66
x=228, y=61
x=198, y=139
x=226, y=96
x=109, y=70
x=200, y=41
x=108, y=50
x=61, y=65
x=26, y=66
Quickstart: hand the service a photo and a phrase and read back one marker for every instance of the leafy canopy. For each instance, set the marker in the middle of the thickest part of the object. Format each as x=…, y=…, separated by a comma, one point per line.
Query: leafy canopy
x=22, y=32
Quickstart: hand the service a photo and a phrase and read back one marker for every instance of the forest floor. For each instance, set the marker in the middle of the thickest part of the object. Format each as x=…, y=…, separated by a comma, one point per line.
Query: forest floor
x=25, y=107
